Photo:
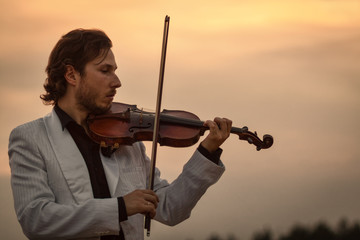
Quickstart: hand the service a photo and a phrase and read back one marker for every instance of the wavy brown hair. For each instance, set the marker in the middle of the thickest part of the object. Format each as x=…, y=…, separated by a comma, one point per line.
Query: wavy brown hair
x=76, y=48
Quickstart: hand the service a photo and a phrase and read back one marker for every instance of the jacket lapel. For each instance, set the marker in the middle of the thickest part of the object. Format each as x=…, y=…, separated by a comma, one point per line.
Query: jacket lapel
x=69, y=157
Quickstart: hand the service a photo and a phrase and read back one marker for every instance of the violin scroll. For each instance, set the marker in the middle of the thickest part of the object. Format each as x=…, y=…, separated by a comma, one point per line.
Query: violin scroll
x=252, y=138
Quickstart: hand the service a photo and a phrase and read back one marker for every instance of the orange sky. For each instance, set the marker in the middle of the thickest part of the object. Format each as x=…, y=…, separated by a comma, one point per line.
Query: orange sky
x=286, y=68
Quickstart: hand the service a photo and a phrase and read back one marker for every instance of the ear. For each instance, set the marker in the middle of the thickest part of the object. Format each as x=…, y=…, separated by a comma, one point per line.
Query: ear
x=71, y=75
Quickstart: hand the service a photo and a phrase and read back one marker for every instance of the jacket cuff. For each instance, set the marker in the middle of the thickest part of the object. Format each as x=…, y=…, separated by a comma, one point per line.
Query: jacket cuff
x=214, y=157
x=122, y=209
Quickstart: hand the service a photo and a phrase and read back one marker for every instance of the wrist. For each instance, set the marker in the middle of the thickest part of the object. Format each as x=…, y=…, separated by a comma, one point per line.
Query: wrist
x=214, y=157
x=209, y=147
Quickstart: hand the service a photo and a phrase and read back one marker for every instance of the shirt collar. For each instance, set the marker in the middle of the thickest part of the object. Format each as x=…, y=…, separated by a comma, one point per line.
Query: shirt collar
x=65, y=119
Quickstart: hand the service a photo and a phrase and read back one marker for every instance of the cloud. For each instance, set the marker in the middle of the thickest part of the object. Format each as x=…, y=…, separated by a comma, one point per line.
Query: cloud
x=287, y=68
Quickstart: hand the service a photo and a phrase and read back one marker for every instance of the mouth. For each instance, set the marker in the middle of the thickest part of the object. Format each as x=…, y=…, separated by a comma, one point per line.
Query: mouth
x=111, y=95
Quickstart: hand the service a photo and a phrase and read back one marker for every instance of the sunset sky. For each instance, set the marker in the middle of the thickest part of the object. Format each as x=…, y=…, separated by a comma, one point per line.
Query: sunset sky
x=286, y=68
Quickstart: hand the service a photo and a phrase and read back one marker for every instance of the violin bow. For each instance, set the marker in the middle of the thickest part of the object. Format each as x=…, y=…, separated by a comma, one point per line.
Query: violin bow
x=157, y=117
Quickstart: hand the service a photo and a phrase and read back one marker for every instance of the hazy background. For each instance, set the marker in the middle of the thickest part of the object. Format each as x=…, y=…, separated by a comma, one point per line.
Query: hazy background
x=285, y=68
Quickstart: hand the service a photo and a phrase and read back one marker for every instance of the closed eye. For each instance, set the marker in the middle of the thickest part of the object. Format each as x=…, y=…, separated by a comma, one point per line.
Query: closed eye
x=106, y=68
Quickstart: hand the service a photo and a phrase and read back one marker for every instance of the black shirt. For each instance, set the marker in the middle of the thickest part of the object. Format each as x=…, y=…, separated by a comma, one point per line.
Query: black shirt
x=90, y=152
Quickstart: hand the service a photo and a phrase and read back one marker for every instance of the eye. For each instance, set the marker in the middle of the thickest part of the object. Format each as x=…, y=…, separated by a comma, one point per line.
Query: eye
x=104, y=70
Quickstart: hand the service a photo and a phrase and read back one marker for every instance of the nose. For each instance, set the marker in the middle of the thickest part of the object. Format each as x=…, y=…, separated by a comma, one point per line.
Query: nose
x=116, y=83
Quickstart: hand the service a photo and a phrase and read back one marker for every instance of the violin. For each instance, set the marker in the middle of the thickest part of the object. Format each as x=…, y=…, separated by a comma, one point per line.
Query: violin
x=125, y=124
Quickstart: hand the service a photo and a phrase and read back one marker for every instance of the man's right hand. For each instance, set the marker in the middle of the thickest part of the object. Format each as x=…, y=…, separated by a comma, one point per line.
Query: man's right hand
x=141, y=201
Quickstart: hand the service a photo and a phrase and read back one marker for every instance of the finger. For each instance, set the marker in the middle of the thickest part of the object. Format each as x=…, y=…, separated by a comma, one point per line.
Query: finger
x=209, y=123
x=150, y=209
x=151, y=195
x=151, y=200
x=228, y=124
x=222, y=125
x=151, y=192
x=212, y=125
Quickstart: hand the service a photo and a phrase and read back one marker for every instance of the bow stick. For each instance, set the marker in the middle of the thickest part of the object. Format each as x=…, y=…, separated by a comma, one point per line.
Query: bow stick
x=157, y=117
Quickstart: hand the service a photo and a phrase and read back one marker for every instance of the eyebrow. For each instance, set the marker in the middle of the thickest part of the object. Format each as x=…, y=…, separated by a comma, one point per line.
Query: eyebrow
x=107, y=65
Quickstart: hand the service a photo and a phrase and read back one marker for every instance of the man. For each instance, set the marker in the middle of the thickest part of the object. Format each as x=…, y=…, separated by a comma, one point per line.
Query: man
x=65, y=186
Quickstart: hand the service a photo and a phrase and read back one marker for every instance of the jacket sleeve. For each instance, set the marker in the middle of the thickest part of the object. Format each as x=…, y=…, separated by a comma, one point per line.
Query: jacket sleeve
x=40, y=214
x=179, y=198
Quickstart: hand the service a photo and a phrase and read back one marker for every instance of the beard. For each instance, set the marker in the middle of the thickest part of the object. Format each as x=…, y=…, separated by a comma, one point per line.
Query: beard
x=86, y=99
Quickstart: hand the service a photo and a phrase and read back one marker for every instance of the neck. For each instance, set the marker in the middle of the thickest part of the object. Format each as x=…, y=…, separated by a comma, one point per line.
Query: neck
x=74, y=111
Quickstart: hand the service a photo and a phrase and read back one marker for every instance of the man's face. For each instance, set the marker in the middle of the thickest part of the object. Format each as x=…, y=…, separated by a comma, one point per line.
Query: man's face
x=98, y=84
